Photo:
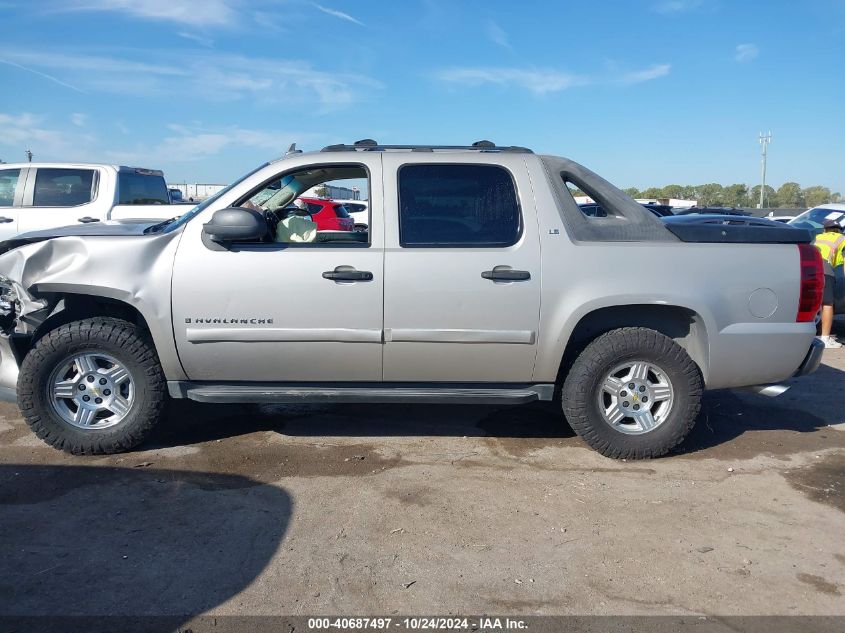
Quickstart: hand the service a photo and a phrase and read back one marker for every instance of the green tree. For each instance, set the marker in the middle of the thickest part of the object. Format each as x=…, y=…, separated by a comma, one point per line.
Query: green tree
x=652, y=192
x=322, y=191
x=710, y=195
x=633, y=192
x=673, y=191
x=816, y=195
x=789, y=196
x=735, y=195
x=754, y=197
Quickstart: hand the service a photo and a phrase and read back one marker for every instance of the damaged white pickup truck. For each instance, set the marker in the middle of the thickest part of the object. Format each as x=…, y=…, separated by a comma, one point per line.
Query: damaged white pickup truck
x=478, y=280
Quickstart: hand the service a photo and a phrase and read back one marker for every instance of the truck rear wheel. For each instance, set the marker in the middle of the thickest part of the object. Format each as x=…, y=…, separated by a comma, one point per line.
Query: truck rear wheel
x=92, y=387
x=633, y=393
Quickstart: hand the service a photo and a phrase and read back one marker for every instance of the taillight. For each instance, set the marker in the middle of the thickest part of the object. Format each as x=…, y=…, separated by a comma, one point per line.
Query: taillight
x=812, y=283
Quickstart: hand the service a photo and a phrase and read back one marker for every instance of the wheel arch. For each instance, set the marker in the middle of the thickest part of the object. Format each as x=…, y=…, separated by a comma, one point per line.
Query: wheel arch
x=74, y=304
x=683, y=325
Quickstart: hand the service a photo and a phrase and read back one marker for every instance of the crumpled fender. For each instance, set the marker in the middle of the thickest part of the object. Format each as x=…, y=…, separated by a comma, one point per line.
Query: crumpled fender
x=134, y=269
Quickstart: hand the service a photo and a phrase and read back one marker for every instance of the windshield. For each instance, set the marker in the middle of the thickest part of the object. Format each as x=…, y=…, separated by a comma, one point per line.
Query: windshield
x=184, y=219
x=814, y=218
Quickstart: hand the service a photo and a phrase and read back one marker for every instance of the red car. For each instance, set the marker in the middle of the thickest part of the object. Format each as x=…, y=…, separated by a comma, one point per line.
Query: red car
x=329, y=215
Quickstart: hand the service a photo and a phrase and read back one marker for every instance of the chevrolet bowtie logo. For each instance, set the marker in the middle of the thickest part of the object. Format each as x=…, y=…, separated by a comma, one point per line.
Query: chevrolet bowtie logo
x=635, y=398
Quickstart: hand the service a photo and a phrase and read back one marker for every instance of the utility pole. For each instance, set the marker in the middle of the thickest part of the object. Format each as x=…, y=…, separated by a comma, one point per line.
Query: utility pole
x=765, y=139
x=29, y=155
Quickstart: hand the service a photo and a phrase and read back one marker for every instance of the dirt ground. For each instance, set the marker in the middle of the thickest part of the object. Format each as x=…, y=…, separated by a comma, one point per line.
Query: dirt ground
x=433, y=509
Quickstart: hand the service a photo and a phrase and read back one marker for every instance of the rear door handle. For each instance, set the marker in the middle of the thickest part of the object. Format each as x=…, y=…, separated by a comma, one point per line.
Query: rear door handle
x=339, y=274
x=5, y=220
x=88, y=219
x=506, y=274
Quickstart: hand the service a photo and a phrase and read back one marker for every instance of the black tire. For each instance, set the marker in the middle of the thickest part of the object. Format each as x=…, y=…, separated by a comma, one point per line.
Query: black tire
x=123, y=341
x=582, y=386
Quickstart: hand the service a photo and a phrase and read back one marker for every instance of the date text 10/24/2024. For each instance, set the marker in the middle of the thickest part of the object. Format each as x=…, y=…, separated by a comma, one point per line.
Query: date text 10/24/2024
x=480, y=624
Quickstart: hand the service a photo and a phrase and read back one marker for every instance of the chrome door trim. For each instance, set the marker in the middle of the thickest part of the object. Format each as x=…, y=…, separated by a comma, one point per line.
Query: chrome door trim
x=282, y=335
x=417, y=335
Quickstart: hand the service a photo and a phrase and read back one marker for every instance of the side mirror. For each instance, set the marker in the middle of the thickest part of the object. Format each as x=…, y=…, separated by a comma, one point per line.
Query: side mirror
x=235, y=224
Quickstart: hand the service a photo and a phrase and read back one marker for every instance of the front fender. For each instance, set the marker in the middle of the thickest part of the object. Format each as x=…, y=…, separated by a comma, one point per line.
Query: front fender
x=135, y=270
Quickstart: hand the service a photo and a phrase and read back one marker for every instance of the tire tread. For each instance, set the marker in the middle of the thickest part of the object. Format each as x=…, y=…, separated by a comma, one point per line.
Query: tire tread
x=615, y=344
x=133, y=340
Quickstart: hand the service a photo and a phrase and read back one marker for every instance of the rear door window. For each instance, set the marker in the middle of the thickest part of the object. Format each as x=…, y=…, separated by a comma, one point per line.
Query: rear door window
x=456, y=205
x=140, y=188
x=63, y=187
x=8, y=182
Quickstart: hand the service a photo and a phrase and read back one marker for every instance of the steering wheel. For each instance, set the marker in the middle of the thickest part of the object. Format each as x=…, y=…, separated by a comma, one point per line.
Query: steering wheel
x=272, y=224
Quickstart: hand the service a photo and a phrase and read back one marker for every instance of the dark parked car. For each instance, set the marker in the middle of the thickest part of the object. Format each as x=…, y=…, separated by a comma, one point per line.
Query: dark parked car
x=714, y=211
x=593, y=210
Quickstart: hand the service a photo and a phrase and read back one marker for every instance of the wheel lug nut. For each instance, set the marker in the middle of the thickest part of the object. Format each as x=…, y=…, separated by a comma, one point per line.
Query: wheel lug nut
x=103, y=381
x=642, y=389
x=631, y=386
x=645, y=398
x=98, y=400
x=623, y=394
x=624, y=404
x=636, y=406
x=107, y=392
x=82, y=387
x=90, y=379
x=86, y=398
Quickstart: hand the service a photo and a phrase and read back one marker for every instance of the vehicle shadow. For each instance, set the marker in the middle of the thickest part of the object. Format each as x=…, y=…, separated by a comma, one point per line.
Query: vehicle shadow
x=102, y=541
x=811, y=404
x=190, y=422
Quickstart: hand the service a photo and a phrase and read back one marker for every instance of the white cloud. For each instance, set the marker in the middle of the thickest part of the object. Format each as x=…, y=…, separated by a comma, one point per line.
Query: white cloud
x=203, y=75
x=746, y=52
x=199, y=39
x=536, y=81
x=193, y=12
x=192, y=143
x=652, y=72
x=541, y=81
x=676, y=6
x=78, y=119
x=29, y=131
x=337, y=14
x=498, y=35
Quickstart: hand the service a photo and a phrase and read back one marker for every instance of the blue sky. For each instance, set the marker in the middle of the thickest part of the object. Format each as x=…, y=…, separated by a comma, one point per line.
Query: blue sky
x=646, y=92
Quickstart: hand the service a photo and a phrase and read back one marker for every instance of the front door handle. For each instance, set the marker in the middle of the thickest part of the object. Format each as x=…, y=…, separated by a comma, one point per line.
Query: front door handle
x=5, y=220
x=88, y=219
x=506, y=274
x=343, y=273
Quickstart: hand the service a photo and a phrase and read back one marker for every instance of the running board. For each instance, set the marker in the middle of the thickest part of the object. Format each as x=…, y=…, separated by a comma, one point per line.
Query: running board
x=359, y=392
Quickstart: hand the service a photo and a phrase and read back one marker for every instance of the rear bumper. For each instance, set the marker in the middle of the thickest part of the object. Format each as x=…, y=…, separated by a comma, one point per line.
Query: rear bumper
x=812, y=360
x=744, y=354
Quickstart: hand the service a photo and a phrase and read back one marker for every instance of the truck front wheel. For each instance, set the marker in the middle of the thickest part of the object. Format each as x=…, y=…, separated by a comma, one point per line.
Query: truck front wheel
x=92, y=387
x=633, y=393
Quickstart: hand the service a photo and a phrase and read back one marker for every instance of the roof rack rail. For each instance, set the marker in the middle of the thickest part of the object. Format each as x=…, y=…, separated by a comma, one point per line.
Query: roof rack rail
x=369, y=145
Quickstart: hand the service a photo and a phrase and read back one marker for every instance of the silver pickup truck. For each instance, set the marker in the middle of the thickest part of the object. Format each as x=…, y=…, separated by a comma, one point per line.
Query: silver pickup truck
x=479, y=280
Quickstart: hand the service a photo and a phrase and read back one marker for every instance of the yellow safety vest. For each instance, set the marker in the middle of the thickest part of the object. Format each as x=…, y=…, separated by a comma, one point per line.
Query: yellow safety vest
x=830, y=245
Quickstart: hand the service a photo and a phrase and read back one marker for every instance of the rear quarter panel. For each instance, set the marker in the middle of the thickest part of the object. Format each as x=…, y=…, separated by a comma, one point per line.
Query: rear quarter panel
x=719, y=283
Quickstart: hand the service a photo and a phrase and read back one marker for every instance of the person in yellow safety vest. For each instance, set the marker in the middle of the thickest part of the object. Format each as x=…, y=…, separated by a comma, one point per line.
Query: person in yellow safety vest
x=831, y=244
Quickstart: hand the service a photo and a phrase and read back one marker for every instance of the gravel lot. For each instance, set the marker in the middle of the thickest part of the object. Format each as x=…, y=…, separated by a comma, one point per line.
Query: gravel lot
x=433, y=509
